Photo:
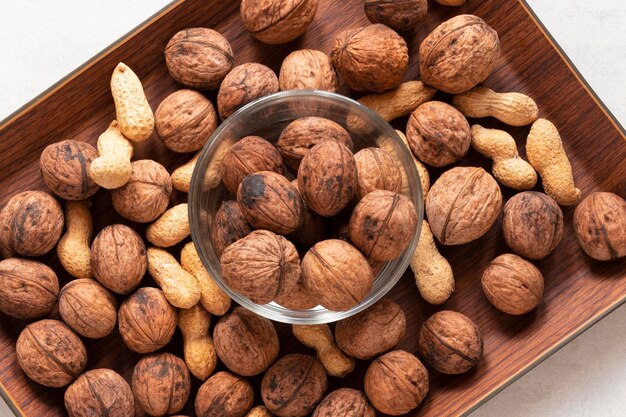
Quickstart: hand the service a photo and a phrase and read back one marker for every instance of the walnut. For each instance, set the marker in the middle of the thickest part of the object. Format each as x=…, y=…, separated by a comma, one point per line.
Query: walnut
x=373, y=331
x=65, y=169
x=396, y=383
x=327, y=178
x=161, y=384
x=146, y=194
x=118, y=258
x=438, y=134
x=224, y=395
x=308, y=69
x=146, y=320
x=370, y=58
x=311, y=230
x=199, y=58
x=293, y=385
x=185, y=120
x=275, y=22
x=50, y=353
x=532, y=224
x=299, y=298
x=462, y=205
x=450, y=342
x=101, y=392
x=337, y=274
x=512, y=284
x=344, y=402
x=600, y=226
x=28, y=289
x=229, y=225
x=249, y=155
x=88, y=308
x=376, y=170
x=261, y=266
x=244, y=84
x=459, y=54
x=245, y=342
x=400, y=15
x=31, y=224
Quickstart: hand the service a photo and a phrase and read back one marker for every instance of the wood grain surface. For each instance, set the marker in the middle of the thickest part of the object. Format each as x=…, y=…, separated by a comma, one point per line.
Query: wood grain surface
x=578, y=289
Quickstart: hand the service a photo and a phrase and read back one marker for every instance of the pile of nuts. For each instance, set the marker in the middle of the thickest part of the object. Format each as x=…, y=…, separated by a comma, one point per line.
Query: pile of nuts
x=253, y=233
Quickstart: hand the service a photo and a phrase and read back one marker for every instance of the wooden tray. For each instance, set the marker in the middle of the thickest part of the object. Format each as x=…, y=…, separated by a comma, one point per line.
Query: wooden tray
x=578, y=290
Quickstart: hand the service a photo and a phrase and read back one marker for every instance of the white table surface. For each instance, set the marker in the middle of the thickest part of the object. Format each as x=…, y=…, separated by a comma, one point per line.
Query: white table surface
x=41, y=41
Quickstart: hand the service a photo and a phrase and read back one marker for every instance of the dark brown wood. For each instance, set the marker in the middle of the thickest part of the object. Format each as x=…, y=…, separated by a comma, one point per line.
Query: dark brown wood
x=578, y=289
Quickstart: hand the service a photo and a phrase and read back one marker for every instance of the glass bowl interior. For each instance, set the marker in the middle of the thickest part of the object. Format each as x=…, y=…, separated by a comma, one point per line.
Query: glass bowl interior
x=267, y=117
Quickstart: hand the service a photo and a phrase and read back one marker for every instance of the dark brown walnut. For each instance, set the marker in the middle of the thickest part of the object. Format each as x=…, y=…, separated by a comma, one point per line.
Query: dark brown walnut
x=50, y=353
x=269, y=201
x=337, y=274
x=185, y=120
x=161, y=384
x=146, y=320
x=438, y=134
x=299, y=298
x=249, y=155
x=245, y=342
x=88, y=308
x=462, y=205
x=65, y=169
x=532, y=223
x=261, y=266
x=307, y=69
x=244, y=84
x=199, y=58
x=450, y=342
x=275, y=22
x=600, y=226
x=344, y=402
x=370, y=58
x=31, y=224
x=293, y=385
x=396, y=383
x=118, y=258
x=373, y=331
x=224, y=395
x=400, y=15
x=512, y=284
x=376, y=170
x=327, y=178
x=28, y=289
x=229, y=225
x=146, y=194
x=459, y=54
x=383, y=224
x=99, y=392
x=311, y=230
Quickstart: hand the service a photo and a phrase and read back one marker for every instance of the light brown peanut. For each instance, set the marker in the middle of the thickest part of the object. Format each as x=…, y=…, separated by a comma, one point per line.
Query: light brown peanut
x=132, y=109
x=319, y=337
x=74, y=249
x=181, y=177
x=259, y=411
x=199, y=352
x=514, y=109
x=112, y=168
x=171, y=228
x=179, y=287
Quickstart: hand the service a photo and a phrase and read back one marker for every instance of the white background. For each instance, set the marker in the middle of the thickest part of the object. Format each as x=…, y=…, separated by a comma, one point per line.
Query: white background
x=41, y=41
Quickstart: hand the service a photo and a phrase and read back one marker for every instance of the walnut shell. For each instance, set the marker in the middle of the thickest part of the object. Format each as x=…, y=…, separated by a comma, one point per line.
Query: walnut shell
x=311, y=230
x=88, y=308
x=146, y=320
x=450, y=342
x=229, y=225
x=161, y=384
x=376, y=170
x=308, y=69
x=532, y=224
x=275, y=22
x=50, y=353
x=245, y=342
x=400, y=15
x=512, y=284
x=261, y=266
x=337, y=274
x=185, y=120
x=600, y=226
x=199, y=58
x=118, y=258
x=372, y=331
x=438, y=134
x=101, y=392
x=459, y=54
x=344, y=402
x=293, y=385
x=244, y=84
x=28, y=289
x=146, y=194
x=65, y=169
x=299, y=298
x=370, y=58
x=462, y=205
x=224, y=395
x=31, y=224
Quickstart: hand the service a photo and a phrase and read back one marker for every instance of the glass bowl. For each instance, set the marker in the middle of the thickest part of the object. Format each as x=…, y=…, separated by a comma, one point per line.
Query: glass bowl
x=267, y=117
